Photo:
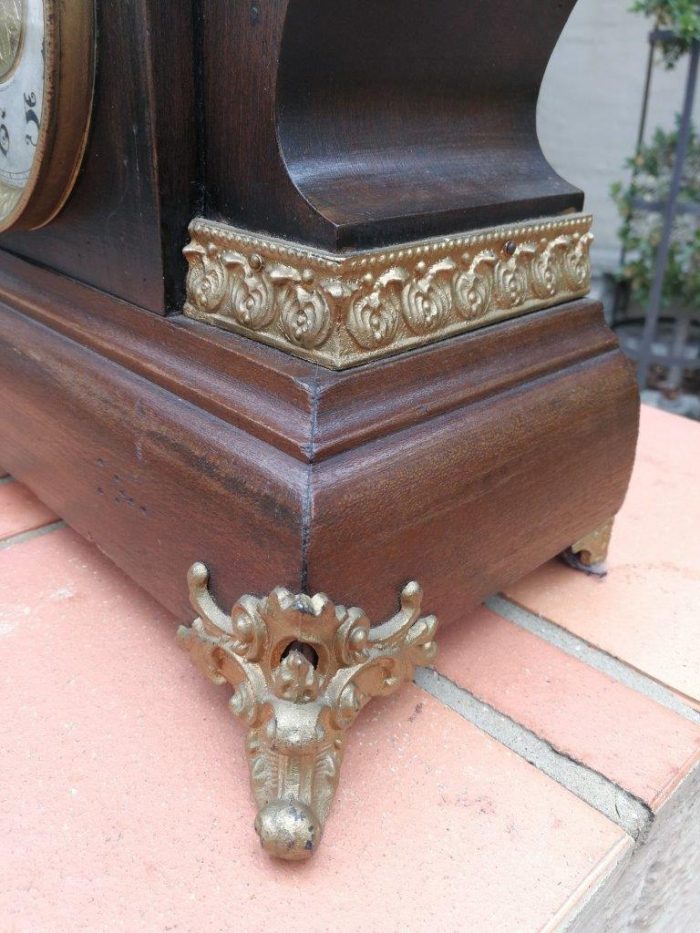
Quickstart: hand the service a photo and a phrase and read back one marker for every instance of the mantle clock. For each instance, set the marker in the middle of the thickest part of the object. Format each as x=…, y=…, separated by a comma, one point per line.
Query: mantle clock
x=293, y=320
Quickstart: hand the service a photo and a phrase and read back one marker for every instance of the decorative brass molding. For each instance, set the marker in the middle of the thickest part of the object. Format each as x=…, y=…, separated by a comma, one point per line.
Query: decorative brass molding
x=343, y=309
x=302, y=669
x=590, y=553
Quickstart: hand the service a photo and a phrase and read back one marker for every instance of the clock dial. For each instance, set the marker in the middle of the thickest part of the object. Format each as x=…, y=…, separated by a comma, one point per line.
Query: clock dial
x=21, y=88
x=46, y=75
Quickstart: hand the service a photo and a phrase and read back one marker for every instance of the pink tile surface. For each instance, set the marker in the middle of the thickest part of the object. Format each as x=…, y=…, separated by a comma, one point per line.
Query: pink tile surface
x=591, y=718
x=124, y=800
x=20, y=510
x=647, y=610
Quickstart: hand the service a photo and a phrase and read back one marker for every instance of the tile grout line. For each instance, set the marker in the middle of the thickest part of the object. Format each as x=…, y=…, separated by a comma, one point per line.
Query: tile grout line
x=614, y=802
x=595, y=657
x=28, y=535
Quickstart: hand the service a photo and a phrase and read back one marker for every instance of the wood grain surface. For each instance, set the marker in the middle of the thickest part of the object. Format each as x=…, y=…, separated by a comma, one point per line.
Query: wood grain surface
x=359, y=122
x=367, y=122
x=125, y=224
x=463, y=465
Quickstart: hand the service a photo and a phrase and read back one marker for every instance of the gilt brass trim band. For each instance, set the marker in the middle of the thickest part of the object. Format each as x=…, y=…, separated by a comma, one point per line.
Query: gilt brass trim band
x=344, y=309
x=302, y=669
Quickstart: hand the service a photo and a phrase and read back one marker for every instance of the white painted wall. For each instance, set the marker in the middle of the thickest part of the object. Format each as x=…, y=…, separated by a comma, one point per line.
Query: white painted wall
x=590, y=104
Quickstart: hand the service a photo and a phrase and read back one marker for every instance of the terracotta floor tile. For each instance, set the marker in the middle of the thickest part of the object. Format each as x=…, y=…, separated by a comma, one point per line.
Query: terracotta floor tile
x=20, y=510
x=124, y=797
x=647, y=610
x=581, y=712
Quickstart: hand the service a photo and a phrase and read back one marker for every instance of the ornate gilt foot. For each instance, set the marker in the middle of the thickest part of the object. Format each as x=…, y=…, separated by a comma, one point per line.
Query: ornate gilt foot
x=302, y=669
x=590, y=553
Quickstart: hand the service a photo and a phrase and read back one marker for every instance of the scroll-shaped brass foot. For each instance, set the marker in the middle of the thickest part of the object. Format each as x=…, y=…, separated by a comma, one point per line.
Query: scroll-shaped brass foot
x=302, y=669
x=590, y=553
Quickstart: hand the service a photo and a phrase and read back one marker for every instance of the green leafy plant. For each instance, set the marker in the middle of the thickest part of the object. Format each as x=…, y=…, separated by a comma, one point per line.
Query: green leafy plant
x=681, y=17
x=640, y=233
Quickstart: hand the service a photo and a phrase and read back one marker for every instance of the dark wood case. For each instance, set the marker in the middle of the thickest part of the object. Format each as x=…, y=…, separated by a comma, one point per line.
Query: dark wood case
x=463, y=465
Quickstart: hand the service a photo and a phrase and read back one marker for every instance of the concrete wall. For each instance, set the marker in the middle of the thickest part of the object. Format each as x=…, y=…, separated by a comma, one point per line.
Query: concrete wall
x=590, y=105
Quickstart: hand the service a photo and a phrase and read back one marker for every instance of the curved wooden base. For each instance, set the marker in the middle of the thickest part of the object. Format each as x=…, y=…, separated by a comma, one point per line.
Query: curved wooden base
x=463, y=465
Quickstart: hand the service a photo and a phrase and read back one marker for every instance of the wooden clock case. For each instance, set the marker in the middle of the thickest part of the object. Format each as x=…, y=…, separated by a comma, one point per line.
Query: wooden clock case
x=462, y=464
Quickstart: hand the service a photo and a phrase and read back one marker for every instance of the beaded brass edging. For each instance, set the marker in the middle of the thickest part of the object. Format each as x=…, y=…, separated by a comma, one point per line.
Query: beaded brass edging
x=344, y=309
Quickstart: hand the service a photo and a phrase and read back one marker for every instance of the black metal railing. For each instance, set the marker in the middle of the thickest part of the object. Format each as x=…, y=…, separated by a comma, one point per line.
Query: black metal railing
x=671, y=342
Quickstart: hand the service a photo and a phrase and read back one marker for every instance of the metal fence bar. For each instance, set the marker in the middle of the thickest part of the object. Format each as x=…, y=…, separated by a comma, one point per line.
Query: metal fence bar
x=652, y=317
x=619, y=303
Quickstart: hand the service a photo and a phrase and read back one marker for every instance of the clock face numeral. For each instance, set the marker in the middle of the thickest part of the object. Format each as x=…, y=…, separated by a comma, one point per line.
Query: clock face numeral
x=32, y=126
x=4, y=135
x=30, y=115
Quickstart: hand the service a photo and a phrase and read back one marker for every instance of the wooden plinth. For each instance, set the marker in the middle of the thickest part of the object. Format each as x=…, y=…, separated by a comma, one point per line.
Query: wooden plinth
x=462, y=465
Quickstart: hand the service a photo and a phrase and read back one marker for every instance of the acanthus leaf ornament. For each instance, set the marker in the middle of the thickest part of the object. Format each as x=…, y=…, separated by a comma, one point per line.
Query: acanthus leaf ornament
x=302, y=668
x=474, y=286
x=207, y=281
x=305, y=316
x=374, y=316
x=343, y=309
x=576, y=264
x=546, y=266
x=252, y=294
x=512, y=276
x=426, y=301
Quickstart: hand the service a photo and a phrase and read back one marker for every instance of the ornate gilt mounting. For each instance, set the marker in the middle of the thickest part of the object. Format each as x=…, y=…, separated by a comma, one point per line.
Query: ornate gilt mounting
x=302, y=669
x=342, y=309
x=590, y=553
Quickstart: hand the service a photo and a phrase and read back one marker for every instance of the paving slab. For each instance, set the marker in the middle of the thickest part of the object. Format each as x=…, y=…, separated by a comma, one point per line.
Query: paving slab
x=20, y=510
x=125, y=804
x=638, y=744
x=646, y=611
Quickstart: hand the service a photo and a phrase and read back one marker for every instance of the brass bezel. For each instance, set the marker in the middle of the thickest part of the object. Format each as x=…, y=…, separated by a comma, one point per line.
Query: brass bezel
x=69, y=79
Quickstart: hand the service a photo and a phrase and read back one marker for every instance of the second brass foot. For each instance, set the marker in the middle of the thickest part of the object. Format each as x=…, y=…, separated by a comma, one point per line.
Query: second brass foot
x=590, y=553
